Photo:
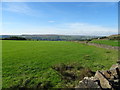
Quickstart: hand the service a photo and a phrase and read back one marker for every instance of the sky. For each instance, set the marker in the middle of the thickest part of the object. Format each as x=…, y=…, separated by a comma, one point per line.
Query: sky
x=68, y=18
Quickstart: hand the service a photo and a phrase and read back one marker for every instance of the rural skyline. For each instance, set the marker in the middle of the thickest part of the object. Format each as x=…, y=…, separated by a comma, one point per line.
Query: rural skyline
x=68, y=18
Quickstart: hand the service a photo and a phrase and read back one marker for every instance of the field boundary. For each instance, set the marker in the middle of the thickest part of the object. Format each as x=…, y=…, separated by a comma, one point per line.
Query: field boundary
x=100, y=45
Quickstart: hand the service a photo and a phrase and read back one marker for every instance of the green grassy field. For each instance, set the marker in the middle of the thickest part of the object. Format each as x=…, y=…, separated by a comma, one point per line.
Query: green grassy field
x=106, y=42
x=28, y=63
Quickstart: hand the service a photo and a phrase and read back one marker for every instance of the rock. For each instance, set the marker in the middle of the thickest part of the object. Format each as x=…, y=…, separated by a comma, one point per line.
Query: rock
x=115, y=66
x=116, y=81
x=107, y=74
x=88, y=83
x=109, y=79
x=103, y=80
x=116, y=76
x=112, y=78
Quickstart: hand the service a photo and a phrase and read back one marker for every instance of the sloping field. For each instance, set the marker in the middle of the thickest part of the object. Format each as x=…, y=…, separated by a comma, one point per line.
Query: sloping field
x=28, y=63
x=107, y=42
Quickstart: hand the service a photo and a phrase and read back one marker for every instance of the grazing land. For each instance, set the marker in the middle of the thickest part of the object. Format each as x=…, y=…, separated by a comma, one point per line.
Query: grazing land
x=29, y=63
x=106, y=42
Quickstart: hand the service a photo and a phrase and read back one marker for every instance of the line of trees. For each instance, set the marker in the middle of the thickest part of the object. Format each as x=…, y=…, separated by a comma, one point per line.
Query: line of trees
x=14, y=38
x=114, y=38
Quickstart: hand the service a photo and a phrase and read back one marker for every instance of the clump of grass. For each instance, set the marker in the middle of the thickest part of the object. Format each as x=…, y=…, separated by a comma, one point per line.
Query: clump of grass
x=46, y=85
x=86, y=57
x=108, y=51
x=72, y=73
x=98, y=66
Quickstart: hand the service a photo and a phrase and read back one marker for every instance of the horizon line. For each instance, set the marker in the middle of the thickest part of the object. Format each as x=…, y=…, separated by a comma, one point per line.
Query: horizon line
x=58, y=34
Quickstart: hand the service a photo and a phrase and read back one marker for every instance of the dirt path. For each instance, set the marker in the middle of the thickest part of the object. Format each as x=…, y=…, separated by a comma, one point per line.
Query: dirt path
x=100, y=45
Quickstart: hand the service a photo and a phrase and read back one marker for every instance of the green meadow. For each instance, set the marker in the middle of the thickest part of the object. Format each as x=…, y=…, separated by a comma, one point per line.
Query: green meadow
x=29, y=63
x=106, y=42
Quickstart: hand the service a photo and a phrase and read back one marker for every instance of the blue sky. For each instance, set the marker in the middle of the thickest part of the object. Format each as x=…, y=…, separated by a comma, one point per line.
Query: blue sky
x=70, y=18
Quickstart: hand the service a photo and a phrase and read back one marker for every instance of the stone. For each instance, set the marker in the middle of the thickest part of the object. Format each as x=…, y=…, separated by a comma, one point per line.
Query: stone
x=103, y=80
x=116, y=81
x=108, y=79
x=112, y=78
x=114, y=66
x=107, y=74
x=116, y=76
x=88, y=83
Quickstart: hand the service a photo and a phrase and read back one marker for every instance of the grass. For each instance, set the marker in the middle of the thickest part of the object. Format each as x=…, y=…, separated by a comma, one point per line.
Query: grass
x=106, y=42
x=28, y=63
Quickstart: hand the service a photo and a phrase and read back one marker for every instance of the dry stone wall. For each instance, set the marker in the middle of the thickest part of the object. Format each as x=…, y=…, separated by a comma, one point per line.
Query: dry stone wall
x=109, y=79
x=99, y=45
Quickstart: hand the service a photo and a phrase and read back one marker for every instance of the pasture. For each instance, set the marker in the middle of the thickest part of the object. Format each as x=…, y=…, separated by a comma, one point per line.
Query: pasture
x=28, y=63
x=107, y=42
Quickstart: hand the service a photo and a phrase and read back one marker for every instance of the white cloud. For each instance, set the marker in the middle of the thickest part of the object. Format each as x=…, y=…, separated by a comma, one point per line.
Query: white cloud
x=64, y=29
x=78, y=29
x=88, y=29
x=51, y=21
x=20, y=7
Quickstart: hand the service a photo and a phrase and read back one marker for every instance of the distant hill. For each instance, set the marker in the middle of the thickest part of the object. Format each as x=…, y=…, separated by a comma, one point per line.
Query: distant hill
x=52, y=37
x=111, y=37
